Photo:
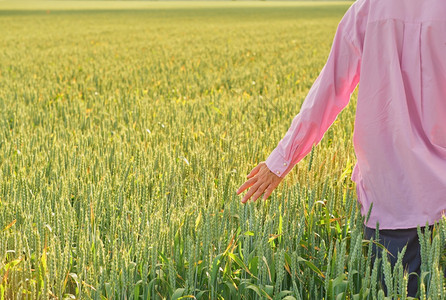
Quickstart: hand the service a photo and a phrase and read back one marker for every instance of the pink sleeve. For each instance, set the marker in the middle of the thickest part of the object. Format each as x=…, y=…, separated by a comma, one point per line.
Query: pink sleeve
x=329, y=94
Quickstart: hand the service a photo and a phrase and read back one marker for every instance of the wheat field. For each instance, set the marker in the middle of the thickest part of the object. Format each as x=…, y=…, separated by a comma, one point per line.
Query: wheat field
x=125, y=130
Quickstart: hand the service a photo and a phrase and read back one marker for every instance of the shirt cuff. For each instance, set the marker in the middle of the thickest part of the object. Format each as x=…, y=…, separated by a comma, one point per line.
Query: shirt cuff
x=277, y=164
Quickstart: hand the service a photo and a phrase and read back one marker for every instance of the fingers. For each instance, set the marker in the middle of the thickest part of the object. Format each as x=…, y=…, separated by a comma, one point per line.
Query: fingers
x=255, y=170
x=268, y=191
x=261, y=181
x=250, y=192
x=246, y=185
x=259, y=192
x=256, y=190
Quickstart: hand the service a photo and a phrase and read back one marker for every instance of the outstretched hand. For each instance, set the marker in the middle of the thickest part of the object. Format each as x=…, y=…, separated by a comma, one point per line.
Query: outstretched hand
x=262, y=181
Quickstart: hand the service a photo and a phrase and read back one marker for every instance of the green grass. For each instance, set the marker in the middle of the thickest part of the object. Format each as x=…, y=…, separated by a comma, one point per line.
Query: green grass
x=126, y=129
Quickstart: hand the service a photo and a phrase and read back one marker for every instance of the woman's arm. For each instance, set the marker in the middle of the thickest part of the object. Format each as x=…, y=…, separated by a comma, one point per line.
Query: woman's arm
x=329, y=94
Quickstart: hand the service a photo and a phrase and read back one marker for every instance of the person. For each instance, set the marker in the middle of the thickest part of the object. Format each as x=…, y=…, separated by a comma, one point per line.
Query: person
x=396, y=51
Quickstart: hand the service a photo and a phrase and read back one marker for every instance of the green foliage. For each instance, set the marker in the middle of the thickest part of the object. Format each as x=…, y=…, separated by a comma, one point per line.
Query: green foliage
x=125, y=133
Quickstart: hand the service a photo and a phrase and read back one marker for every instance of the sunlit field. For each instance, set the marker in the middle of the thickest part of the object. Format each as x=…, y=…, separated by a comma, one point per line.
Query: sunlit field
x=127, y=127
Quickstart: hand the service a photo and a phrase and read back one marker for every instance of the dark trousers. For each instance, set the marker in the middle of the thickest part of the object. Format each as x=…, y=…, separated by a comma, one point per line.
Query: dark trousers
x=394, y=241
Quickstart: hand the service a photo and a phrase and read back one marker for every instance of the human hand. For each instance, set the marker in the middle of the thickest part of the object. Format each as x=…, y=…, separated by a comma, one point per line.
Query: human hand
x=262, y=181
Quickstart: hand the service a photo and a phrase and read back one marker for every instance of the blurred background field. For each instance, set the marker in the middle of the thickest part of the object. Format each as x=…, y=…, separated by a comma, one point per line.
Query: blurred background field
x=126, y=129
x=125, y=5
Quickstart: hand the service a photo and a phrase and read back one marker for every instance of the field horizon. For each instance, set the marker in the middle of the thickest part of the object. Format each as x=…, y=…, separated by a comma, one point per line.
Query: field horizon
x=144, y=4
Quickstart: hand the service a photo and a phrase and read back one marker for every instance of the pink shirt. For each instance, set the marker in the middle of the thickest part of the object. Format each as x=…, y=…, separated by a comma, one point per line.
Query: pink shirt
x=397, y=48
